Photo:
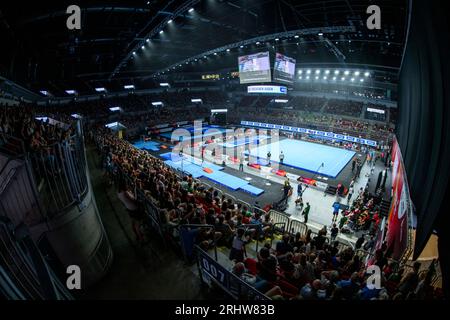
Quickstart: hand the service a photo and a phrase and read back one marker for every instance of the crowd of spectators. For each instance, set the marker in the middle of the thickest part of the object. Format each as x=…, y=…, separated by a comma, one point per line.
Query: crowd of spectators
x=348, y=108
x=309, y=104
x=301, y=266
x=37, y=134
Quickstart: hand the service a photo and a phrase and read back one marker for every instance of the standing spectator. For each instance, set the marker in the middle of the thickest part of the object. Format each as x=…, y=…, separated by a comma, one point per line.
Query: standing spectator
x=334, y=232
x=305, y=212
x=238, y=247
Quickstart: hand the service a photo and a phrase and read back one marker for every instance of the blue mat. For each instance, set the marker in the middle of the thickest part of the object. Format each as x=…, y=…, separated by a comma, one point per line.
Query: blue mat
x=252, y=190
x=194, y=167
x=307, y=156
x=217, y=132
x=245, y=141
x=148, y=145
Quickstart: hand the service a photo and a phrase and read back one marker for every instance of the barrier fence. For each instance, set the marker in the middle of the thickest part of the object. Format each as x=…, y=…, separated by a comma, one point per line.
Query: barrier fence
x=60, y=173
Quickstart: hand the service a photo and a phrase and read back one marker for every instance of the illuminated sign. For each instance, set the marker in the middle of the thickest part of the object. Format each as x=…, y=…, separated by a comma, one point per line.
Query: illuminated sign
x=210, y=76
x=267, y=89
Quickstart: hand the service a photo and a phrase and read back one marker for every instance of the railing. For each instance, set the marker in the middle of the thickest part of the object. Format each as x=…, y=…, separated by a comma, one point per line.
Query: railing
x=60, y=172
x=211, y=271
x=24, y=274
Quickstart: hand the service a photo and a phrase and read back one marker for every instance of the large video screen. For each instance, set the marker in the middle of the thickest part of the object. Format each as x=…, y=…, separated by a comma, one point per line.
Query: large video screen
x=254, y=68
x=284, y=69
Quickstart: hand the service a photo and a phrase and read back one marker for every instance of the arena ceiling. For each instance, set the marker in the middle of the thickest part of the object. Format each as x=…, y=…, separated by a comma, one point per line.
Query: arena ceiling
x=39, y=51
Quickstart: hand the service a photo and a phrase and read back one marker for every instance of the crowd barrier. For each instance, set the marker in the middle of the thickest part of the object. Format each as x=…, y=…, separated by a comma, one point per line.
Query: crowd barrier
x=60, y=172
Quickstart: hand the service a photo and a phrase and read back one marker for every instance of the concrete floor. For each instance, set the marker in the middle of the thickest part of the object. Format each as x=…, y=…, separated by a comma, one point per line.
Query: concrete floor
x=148, y=271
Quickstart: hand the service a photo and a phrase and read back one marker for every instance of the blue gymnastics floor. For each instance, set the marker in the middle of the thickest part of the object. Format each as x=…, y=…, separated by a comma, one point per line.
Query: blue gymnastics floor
x=148, y=145
x=195, y=168
x=244, y=141
x=307, y=156
x=216, y=132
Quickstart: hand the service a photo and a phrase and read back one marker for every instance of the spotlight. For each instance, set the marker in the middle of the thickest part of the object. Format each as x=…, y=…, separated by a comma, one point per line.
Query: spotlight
x=327, y=71
x=347, y=72
x=276, y=39
x=228, y=50
x=148, y=40
x=334, y=78
x=343, y=78
x=317, y=78
x=296, y=36
x=356, y=73
x=300, y=71
x=317, y=71
x=241, y=47
x=366, y=74
x=352, y=79
x=257, y=42
x=142, y=47
x=336, y=72
x=215, y=53
x=191, y=9
x=307, y=77
x=170, y=21
x=161, y=32
x=320, y=34
x=308, y=71
x=325, y=78
x=361, y=80
x=134, y=52
x=300, y=77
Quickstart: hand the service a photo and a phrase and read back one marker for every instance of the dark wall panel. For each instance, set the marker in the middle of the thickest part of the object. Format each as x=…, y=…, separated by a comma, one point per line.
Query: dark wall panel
x=423, y=129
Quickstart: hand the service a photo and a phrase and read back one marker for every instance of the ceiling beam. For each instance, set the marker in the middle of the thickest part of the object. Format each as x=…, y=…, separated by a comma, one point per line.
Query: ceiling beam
x=269, y=37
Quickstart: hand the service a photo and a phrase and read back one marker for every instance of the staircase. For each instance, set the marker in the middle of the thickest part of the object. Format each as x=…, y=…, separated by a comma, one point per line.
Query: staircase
x=331, y=190
x=384, y=208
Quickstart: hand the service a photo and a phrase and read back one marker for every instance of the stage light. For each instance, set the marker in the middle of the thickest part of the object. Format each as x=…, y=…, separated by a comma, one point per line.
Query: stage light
x=325, y=78
x=191, y=9
x=296, y=36
x=215, y=53
x=307, y=77
x=257, y=42
x=228, y=50
x=308, y=71
x=300, y=77
x=148, y=40
x=347, y=72
x=366, y=74
x=317, y=71
x=276, y=39
x=142, y=47
x=204, y=57
x=327, y=71
x=170, y=21
x=317, y=78
x=320, y=34
x=44, y=92
x=101, y=89
x=134, y=52
x=70, y=91
x=161, y=32
x=352, y=79
x=241, y=47
x=361, y=80
x=334, y=78
x=343, y=79
x=356, y=73
x=300, y=71
x=164, y=84
x=129, y=86
x=336, y=72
